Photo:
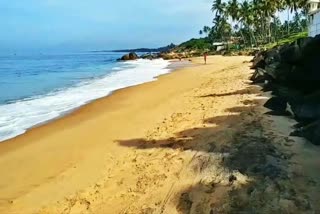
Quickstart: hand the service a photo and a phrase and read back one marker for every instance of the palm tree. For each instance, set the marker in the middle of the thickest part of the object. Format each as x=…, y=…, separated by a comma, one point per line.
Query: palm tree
x=206, y=30
x=232, y=9
x=269, y=7
x=257, y=20
x=293, y=6
x=247, y=18
x=218, y=7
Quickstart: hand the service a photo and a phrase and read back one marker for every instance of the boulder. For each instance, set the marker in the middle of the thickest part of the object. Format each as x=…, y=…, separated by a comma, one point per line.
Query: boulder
x=149, y=56
x=260, y=76
x=129, y=56
x=272, y=56
x=291, y=72
x=311, y=132
x=258, y=61
x=277, y=104
x=306, y=111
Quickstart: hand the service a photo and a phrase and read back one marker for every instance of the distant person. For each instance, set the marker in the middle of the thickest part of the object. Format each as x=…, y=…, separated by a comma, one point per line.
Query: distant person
x=205, y=57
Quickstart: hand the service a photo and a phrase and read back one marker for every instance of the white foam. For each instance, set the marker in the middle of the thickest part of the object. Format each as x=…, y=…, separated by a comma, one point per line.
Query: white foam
x=16, y=118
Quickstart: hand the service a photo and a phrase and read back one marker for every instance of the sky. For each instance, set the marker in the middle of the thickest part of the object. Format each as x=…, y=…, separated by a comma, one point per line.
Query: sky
x=40, y=25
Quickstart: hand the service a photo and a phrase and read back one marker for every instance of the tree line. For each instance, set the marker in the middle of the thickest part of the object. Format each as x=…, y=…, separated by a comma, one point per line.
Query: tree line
x=256, y=22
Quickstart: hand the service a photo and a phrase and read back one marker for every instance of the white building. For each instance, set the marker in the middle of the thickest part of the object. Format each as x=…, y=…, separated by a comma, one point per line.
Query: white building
x=314, y=15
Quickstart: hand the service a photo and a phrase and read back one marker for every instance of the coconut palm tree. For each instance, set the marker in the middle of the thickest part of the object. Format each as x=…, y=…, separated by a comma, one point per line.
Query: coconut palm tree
x=257, y=20
x=247, y=18
x=206, y=30
x=218, y=7
x=294, y=6
x=232, y=9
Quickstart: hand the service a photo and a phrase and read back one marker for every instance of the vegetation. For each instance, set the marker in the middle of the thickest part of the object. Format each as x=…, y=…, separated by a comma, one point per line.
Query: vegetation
x=195, y=44
x=255, y=22
x=287, y=40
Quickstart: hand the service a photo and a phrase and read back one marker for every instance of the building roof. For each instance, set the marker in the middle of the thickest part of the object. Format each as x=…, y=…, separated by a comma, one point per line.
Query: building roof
x=313, y=1
x=314, y=11
x=218, y=43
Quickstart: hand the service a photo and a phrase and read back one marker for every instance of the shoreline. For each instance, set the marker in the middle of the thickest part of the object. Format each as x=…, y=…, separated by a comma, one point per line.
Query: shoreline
x=196, y=141
x=173, y=66
x=156, y=146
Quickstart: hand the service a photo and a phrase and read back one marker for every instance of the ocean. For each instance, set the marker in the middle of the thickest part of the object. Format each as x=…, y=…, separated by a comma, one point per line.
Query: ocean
x=37, y=88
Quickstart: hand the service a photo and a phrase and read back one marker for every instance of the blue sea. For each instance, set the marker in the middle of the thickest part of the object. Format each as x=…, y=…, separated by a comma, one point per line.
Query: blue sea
x=40, y=87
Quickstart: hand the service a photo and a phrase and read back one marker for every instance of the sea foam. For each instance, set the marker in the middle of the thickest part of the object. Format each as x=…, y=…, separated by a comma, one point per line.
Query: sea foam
x=16, y=118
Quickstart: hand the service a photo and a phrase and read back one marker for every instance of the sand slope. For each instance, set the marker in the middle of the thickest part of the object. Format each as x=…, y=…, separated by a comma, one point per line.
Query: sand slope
x=196, y=141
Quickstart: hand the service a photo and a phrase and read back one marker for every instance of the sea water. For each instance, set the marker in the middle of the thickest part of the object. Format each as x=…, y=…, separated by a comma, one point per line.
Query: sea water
x=40, y=87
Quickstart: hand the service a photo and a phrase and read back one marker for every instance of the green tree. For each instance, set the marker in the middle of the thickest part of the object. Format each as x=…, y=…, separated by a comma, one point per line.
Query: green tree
x=218, y=7
x=206, y=30
x=256, y=21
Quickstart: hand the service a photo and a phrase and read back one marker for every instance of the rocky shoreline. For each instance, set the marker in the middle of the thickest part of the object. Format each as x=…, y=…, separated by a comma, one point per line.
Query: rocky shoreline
x=176, y=54
x=163, y=55
x=291, y=73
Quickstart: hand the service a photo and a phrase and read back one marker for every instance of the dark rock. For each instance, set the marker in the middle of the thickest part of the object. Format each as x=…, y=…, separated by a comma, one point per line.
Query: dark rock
x=258, y=62
x=301, y=124
x=277, y=104
x=272, y=56
x=150, y=56
x=291, y=72
x=260, y=76
x=130, y=56
x=293, y=52
x=311, y=132
x=306, y=111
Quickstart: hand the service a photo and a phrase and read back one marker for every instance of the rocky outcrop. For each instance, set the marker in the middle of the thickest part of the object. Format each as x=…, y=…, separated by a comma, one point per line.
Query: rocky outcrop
x=179, y=55
x=150, y=56
x=292, y=73
x=169, y=55
x=129, y=56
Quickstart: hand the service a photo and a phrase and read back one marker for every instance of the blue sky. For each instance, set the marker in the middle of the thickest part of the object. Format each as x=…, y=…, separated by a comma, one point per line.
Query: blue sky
x=99, y=24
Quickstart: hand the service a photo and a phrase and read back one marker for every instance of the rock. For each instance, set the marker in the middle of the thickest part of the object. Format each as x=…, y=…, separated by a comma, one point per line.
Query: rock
x=259, y=76
x=311, y=132
x=258, y=61
x=146, y=56
x=150, y=56
x=272, y=56
x=277, y=104
x=306, y=111
x=129, y=56
x=291, y=72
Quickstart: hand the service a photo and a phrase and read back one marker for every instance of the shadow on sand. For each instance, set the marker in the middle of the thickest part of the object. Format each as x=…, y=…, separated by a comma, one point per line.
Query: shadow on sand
x=249, y=90
x=248, y=174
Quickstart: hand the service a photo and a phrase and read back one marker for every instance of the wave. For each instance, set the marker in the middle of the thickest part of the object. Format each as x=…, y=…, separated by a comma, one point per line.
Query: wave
x=17, y=117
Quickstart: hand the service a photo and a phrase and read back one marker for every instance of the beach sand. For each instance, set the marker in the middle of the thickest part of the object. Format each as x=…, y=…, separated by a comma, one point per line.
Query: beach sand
x=195, y=141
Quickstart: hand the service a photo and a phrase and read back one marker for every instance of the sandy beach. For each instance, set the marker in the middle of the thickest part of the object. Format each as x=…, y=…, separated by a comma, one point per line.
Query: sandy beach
x=195, y=141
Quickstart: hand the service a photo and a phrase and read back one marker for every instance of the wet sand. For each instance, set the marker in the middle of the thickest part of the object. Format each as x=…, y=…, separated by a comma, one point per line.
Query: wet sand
x=195, y=141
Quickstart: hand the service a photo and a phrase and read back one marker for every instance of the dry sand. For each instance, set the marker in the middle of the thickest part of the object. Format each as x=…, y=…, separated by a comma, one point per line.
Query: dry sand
x=195, y=141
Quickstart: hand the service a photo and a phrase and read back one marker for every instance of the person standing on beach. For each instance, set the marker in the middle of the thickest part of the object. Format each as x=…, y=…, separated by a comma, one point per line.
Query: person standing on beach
x=205, y=57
